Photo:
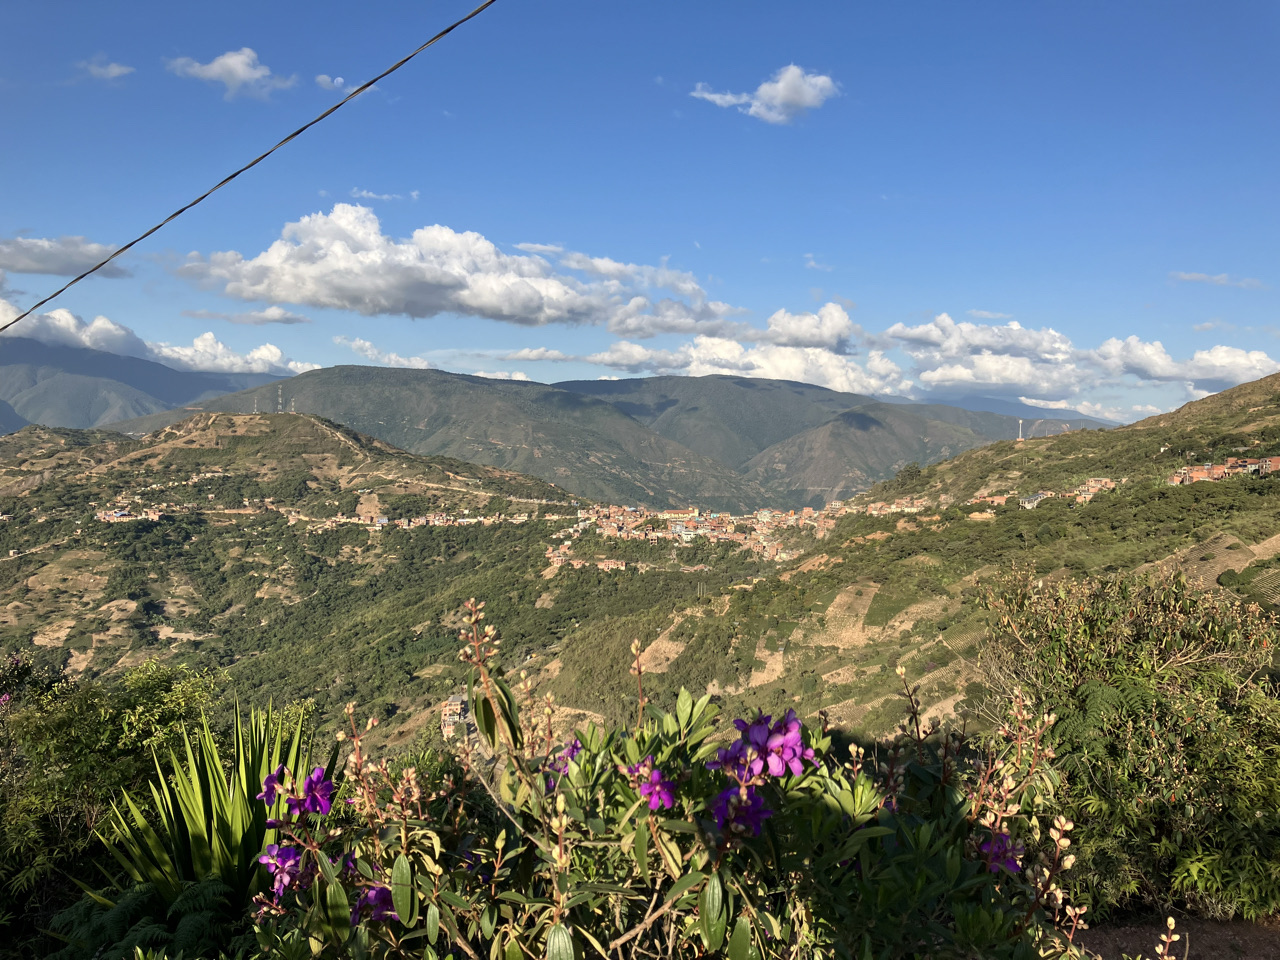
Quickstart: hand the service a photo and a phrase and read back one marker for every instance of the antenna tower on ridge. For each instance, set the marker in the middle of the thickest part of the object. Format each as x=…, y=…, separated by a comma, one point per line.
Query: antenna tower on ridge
x=279, y=398
x=1019, y=428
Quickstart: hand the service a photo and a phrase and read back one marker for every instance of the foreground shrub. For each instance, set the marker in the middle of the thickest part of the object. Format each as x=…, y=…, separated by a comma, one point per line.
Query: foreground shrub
x=1169, y=736
x=192, y=847
x=662, y=841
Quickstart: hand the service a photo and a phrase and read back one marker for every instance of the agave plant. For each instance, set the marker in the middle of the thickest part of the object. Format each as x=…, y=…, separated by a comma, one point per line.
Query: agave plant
x=211, y=821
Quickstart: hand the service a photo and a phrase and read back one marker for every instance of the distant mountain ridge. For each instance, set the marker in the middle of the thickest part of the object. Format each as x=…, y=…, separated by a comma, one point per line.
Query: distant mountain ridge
x=719, y=442
x=77, y=387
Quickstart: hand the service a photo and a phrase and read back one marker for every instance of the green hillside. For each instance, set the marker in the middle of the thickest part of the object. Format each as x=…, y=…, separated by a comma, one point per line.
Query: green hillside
x=299, y=610
x=583, y=444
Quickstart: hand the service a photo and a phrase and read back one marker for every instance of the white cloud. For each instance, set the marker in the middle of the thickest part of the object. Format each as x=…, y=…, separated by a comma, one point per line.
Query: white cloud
x=326, y=82
x=1218, y=280
x=789, y=94
x=829, y=328
x=237, y=70
x=254, y=318
x=100, y=68
x=359, y=194
x=813, y=264
x=343, y=260
x=383, y=357
x=540, y=248
x=64, y=257
x=536, y=354
x=942, y=338
x=206, y=352
x=988, y=315
x=714, y=355
x=501, y=375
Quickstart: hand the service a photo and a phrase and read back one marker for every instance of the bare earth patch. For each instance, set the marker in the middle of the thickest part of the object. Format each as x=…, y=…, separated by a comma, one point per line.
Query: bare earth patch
x=54, y=634
x=845, y=628
x=657, y=656
x=1204, y=939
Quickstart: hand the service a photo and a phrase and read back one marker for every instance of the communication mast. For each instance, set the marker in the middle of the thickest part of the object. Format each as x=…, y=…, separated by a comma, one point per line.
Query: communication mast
x=279, y=398
x=1019, y=429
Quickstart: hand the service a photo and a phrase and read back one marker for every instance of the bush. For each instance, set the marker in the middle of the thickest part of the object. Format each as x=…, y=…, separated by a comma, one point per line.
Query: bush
x=1168, y=737
x=659, y=839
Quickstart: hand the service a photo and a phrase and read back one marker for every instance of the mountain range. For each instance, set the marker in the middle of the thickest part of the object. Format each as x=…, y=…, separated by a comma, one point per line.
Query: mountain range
x=721, y=442
x=61, y=386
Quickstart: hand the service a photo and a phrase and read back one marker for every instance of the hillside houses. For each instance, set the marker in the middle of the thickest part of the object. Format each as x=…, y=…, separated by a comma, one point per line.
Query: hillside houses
x=1233, y=467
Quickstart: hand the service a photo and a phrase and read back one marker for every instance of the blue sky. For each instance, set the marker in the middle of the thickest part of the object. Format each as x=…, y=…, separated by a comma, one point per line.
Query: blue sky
x=1074, y=203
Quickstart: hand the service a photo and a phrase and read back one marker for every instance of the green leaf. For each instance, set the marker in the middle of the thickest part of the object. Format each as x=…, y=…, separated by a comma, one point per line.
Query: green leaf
x=433, y=922
x=711, y=913
x=740, y=942
x=684, y=707
x=513, y=951
x=642, y=851
x=337, y=910
x=681, y=886
x=560, y=943
x=404, y=895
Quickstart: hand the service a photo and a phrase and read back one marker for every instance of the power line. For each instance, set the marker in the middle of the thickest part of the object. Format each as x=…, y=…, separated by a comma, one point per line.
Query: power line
x=252, y=163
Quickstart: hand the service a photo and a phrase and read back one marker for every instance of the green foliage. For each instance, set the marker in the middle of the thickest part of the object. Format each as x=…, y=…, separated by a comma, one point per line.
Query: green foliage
x=1169, y=741
x=209, y=822
x=66, y=749
x=582, y=857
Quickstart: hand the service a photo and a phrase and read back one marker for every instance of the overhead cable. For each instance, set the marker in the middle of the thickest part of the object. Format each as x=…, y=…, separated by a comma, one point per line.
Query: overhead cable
x=252, y=163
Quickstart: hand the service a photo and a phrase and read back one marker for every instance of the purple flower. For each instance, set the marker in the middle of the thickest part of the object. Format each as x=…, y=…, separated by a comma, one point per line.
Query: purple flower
x=1002, y=853
x=376, y=903
x=284, y=864
x=271, y=785
x=4, y=699
x=740, y=812
x=559, y=765
x=648, y=779
x=317, y=795
x=658, y=791
x=777, y=747
x=785, y=749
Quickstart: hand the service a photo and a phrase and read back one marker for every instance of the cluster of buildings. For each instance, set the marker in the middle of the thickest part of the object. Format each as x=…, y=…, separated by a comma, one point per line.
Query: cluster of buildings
x=1082, y=494
x=757, y=532
x=1233, y=467
x=559, y=556
x=124, y=515
x=883, y=508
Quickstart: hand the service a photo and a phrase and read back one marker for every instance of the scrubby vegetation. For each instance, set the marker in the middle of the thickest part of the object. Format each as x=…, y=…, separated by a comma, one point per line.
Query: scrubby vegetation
x=1133, y=760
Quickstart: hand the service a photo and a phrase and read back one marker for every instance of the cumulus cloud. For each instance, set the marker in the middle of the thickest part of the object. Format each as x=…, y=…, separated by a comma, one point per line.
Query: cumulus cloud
x=384, y=358
x=63, y=257
x=781, y=99
x=501, y=375
x=1218, y=280
x=255, y=318
x=63, y=328
x=942, y=339
x=716, y=355
x=100, y=68
x=829, y=328
x=343, y=260
x=1208, y=370
x=239, y=71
